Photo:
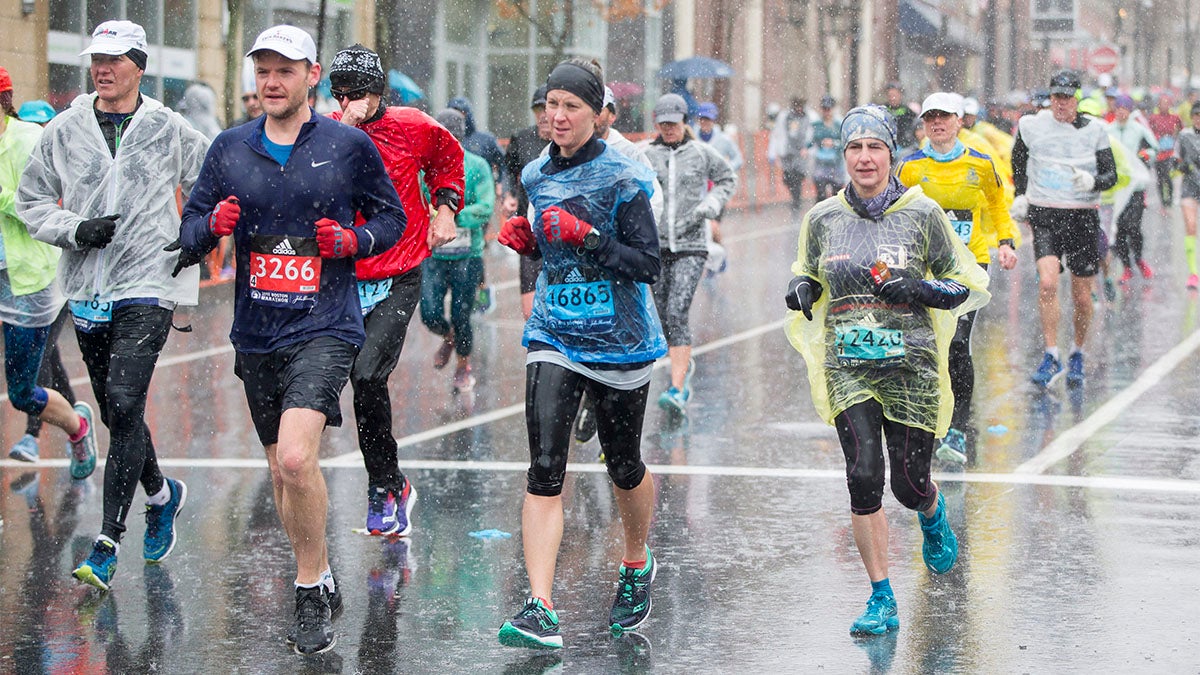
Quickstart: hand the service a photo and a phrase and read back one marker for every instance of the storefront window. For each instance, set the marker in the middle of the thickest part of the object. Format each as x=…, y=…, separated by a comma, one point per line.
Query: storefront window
x=145, y=13
x=179, y=23
x=66, y=15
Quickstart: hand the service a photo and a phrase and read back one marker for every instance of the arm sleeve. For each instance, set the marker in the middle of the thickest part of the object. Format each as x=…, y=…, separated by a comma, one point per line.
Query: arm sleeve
x=1147, y=136
x=1020, y=158
x=377, y=201
x=997, y=206
x=721, y=174
x=441, y=158
x=38, y=196
x=633, y=253
x=943, y=293
x=1106, y=168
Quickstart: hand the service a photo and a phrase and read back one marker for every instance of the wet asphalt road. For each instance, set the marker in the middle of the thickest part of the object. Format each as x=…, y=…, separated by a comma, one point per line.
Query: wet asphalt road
x=1078, y=515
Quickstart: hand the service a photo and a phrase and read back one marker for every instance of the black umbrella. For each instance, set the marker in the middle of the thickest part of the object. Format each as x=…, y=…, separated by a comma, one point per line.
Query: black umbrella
x=695, y=67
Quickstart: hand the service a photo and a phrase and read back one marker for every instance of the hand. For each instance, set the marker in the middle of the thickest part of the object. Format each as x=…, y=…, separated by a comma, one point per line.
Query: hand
x=441, y=230
x=186, y=258
x=899, y=290
x=562, y=227
x=355, y=112
x=1020, y=209
x=224, y=217
x=517, y=234
x=96, y=232
x=802, y=292
x=708, y=209
x=335, y=241
x=1008, y=257
x=1083, y=181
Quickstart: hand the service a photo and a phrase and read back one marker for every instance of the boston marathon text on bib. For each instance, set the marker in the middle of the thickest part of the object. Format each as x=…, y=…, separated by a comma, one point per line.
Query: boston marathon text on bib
x=579, y=295
x=285, y=271
x=963, y=222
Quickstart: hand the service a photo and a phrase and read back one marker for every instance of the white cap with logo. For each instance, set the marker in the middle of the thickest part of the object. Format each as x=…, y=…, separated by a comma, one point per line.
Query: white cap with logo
x=289, y=41
x=115, y=38
x=944, y=101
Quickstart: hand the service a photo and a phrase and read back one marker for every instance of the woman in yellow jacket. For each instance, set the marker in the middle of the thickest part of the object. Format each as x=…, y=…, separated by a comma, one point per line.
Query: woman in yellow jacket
x=964, y=182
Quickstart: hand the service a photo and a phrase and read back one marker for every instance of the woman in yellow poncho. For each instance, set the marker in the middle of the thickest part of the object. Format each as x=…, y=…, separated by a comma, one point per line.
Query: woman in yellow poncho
x=878, y=270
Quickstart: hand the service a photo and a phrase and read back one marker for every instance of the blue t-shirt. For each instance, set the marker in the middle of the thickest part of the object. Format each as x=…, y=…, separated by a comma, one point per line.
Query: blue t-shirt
x=280, y=153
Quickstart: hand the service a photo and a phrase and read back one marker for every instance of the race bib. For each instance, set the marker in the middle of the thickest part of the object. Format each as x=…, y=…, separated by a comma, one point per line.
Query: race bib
x=863, y=343
x=580, y=294
x=963, y=222
x=1055, y=177
x=285, y=271
x=91, y=311
x=1167, y=142
x=460, y=245
x=371, y=293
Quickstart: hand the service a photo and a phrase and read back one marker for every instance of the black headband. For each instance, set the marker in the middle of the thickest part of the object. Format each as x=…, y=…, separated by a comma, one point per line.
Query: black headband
x=138, y=57
x=580, y=81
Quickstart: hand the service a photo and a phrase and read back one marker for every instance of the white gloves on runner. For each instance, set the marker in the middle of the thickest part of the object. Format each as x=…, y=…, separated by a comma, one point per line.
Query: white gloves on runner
x=1020, y=208
x=708, y=209
x=1083, y=181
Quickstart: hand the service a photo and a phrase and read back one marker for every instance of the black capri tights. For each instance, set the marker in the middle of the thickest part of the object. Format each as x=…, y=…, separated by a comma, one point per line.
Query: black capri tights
x=909, y=452
x=551, y=400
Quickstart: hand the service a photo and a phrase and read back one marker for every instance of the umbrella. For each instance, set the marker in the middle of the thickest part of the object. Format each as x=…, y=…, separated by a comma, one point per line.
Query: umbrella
x=404, y=85
x=626, y=89
x=695, y=67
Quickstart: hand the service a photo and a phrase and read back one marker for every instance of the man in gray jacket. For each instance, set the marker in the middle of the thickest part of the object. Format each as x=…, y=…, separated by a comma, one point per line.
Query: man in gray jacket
x=101, y=186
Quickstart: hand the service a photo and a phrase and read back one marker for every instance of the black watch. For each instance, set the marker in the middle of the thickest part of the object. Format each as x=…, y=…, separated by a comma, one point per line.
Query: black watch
x=591, y=240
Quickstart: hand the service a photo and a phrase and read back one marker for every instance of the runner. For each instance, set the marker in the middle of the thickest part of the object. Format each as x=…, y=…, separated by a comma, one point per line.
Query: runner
x=31, y=309
x=874, y=267
x=829, y=169
x=455, y=267
x=790, y=144
x=708, y=132
x=412, y=145
x=1062, y=161
x=282, y=185
x=1189, y=163
x=685, y=169
x=964, y=182
x=1166, y=125
x=1138, y=142
x=593, y=328
x=101, y=185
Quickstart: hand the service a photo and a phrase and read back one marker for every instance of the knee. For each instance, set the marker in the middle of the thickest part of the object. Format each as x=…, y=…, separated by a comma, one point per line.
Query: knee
x=543, y=482
x=866, y=491
x=294, y=466
x=626, y=475
x=909, y=495
x=27, y=399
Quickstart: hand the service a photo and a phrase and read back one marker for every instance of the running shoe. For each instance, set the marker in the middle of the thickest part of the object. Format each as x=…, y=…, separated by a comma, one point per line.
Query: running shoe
x=1193, y=282
x=483, y=300
x=26, y=485
x=879, y=617
x=632, y=604
x=535, y=627
x=687, y=380
x=404, y=507
x=335, y=608
x=442, y=356
x=25, y=450
x=381, y=511
x=83, y=451
x=673, y=400
x=585, y=421
x=1075, y=369
x=940, y=548
x=313, y=630
x=1049, y=372
x=1126, y=276
x=160, y=523
x=1147, y=273
x=953, y=447
x=99, y=567
x=464, y=381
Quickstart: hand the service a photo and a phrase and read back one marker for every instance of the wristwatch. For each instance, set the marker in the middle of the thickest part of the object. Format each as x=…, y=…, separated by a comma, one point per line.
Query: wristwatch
x=591, y=240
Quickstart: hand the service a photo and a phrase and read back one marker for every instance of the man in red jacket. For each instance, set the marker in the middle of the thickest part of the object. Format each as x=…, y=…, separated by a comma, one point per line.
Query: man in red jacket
x=389, y=285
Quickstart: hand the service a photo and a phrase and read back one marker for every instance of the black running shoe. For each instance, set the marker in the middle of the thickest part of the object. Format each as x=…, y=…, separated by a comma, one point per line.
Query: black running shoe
x=632, y=606
x=314, y=621
x=335, y=610
x=535, y=626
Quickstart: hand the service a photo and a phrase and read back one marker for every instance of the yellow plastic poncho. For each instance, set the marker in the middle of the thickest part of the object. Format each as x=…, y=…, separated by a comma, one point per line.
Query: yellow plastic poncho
x=904, y=366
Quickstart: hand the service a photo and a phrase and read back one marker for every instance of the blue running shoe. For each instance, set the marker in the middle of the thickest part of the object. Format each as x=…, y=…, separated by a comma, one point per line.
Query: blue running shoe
x=1049, y=372
x=687, y=380
x=940, y=548
x=879, y=617
x=535, y=627
x=673, y=400
x=1075, y=369
x=632, y=605
x=25, y=450
x=381, y=511
x=99, y=567
x=83, y=451
x=953, y=447
x=160, y=523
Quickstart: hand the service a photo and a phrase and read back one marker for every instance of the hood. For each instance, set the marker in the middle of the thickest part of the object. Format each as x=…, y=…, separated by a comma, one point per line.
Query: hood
x=461, y=104
x=198, y=100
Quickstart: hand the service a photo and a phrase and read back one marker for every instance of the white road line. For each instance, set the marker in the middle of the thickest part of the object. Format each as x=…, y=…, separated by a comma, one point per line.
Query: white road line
x=1066, y=443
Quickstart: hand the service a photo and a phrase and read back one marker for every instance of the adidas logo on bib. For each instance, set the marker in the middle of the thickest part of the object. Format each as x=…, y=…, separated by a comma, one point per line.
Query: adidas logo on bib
x=284, y=248
x=574, y=277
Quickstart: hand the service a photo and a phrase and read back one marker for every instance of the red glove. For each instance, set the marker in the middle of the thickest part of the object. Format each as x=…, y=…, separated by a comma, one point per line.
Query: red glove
x=563, y=227
x=335, y=241
x=517, y=234
x=224, y=216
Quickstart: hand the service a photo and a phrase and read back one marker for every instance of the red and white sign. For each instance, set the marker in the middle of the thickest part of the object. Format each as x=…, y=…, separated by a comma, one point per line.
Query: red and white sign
x=1103, y=59
x=1095, y=60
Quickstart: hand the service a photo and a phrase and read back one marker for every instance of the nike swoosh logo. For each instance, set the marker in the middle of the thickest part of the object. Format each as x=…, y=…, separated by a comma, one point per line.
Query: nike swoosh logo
x=316, y=164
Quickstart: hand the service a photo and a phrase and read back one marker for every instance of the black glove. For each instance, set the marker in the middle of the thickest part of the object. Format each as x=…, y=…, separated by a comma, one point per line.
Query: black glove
x=900, y=290
x=186, y=258
x=802, y=292
x=96, y=232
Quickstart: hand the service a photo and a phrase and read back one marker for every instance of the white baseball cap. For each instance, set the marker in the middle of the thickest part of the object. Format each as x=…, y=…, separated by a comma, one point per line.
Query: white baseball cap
x=610, y=101
x=115, y=38
x=289, y=41
x=944, y=101
x=970, y=106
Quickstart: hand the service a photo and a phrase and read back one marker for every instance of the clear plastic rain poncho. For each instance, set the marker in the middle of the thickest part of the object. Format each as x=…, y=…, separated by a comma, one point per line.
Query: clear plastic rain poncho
x=582, y=309
x=158, y=153
x=858, y=347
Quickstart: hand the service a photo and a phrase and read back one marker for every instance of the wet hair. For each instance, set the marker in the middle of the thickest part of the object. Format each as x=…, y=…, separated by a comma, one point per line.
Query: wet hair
x=6, y=104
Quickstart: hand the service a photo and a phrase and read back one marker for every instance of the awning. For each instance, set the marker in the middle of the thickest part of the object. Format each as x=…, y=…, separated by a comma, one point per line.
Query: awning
x=915, y=23
x=925, y=22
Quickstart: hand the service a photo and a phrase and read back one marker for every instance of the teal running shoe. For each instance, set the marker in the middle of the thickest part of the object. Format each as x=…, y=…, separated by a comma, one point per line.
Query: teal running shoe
x=100, y=566
x=632, y=605
x=25, y=450
x=673, y=400
x=160, y=523
x=879, y=617
x=953, y=447
x=940, y=548
x=687, y=380
x=535, y=627
x=83, y=451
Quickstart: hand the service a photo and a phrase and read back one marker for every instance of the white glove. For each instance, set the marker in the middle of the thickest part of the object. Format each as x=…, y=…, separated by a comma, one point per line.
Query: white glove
x=1083, y=181
x=1020, y=209
x=708, y=209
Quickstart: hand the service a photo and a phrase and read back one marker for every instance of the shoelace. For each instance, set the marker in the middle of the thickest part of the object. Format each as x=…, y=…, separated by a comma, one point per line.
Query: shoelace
x=629, y=585
x=309, y=610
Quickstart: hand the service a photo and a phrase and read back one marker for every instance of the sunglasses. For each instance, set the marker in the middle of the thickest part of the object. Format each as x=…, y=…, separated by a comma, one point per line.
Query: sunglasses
x=349, y=94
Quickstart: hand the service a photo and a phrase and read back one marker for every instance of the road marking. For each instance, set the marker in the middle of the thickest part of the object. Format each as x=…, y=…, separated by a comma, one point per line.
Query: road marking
x=1066, y=443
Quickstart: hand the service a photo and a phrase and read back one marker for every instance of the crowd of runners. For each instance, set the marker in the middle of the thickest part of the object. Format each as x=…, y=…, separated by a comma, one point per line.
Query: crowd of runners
x=343, y=226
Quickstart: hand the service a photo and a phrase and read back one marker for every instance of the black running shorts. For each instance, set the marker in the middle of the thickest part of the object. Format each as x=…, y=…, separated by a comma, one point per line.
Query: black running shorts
x=1070, y=234
x=307, y=375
